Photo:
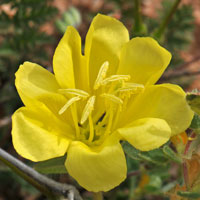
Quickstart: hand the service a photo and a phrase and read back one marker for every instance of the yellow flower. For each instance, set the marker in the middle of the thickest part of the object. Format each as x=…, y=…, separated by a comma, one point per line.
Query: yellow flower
x=95, y=100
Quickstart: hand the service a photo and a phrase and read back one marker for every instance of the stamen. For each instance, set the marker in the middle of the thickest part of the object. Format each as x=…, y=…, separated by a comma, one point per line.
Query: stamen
x=101, y=75
x=112, y=98
x=68, y=104
x=76, y=92
x=88, y=109
x=130, y=87
x=115, y=78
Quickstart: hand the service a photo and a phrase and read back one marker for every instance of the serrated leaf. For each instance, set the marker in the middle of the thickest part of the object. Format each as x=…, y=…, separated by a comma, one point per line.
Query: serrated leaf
x=52, y=166
x=171, y=154
x=193, y=195
x=193, y=100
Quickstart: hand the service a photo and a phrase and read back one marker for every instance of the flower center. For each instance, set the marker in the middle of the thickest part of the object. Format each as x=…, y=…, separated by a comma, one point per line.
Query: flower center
x=99, y=115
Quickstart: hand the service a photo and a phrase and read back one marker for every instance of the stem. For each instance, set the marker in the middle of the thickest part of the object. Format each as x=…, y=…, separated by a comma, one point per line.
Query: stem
x=46, y=185
x=132, y=188
x=159, y=32
x=187, y=147
x=185, y=169
x=98, y=196
x=185, y=175
x=138, y=26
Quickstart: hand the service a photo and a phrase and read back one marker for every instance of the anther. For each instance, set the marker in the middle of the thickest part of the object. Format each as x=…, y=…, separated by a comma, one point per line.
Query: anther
x=130, y=87
x=116, y=78
x=101, y=75
x=68, y=104
x=76, y=92
x=112, y=98
x=88, y=109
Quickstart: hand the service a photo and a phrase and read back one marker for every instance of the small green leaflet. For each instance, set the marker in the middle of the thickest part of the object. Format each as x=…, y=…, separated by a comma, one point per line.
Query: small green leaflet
x=193, y=100
x=155, y=156
x=171, y=154
x=195, y=124
x=52, y=166
x=71, y=17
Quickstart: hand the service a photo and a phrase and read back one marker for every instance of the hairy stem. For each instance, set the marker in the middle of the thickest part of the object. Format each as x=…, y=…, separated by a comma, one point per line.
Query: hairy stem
x=185, y=168
x=49, y=187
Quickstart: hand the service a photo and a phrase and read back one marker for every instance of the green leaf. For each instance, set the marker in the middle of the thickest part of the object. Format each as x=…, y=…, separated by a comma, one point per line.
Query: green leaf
x=155, y=156
x=147, y=157
x=193, y=195
x=71, y=17
x=193, y=100
x=52, y=166
x=195, y=124
x=171, y=154
x=131, y=151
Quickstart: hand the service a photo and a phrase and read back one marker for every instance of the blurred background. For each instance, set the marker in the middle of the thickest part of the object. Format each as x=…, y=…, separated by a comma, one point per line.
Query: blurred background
x=30, y=31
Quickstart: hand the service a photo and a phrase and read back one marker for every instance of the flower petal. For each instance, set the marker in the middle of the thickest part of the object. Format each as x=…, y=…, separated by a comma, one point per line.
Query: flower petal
x=54, y=103
x=147, y=133
x=165, y=101
x=104, y=41
x=38, y=136
x=33, y=80
x=68, y=62
x=144, y=59
x=96, y=169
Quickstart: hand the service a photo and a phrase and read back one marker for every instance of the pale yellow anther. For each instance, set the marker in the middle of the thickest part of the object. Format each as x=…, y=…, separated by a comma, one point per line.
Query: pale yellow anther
x=101, y=75
x=88, y=109
x=115, y=78
x=68, y=104
x=112, y=98
x=77, y=92
x=128, y=87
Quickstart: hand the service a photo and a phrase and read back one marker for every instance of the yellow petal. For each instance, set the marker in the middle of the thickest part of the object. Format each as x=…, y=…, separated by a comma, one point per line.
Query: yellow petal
x=104, y=41
x=54, y=103
x=38, y=136
x=32, y=81
x=144, y=59
x=68, y=62
x=96, y=169
x=165, y=101
x=147, y=133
